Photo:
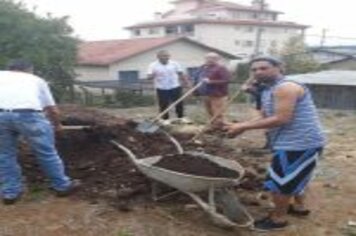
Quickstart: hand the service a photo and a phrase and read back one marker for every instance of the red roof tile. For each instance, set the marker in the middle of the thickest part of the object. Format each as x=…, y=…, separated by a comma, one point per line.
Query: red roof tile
x=104, y=53
x=110, y=51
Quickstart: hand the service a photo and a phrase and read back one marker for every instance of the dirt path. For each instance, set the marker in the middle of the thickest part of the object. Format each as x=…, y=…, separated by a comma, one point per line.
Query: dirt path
x=331, y=197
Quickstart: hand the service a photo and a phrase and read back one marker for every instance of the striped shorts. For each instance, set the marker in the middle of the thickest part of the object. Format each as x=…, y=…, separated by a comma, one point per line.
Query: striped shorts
x=291, y=171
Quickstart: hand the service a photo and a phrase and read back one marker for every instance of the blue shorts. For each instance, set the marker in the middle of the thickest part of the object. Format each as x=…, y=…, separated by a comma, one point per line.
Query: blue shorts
x=291, y=171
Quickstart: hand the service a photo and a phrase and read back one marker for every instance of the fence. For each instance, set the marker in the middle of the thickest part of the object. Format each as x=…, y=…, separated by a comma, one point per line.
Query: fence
x=126, y=94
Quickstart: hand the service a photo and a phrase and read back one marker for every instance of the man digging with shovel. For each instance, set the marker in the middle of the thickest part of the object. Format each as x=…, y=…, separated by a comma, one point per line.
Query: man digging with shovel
x=296, y=140
x=25, y=100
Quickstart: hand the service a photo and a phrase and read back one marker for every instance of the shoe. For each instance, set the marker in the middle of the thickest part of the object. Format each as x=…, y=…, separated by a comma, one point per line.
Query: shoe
x=185, y=120
x=11, y=201
x=165, y=122
x=295, y=212
x=267, y=224
x=74, y=187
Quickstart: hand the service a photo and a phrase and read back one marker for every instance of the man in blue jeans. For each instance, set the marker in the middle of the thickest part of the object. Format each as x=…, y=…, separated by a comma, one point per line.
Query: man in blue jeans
x=25, y=104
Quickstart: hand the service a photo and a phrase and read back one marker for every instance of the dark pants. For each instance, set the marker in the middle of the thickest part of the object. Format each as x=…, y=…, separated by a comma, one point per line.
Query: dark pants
x=166, y=97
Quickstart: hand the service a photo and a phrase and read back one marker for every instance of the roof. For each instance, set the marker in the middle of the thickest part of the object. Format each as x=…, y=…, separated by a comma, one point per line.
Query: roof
x=331, y=77
x=231, y=5
x=218, y=21
x=104, y=53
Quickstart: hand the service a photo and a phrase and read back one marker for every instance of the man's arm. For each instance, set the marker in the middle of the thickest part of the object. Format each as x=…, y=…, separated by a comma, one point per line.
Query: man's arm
x=286, y=97
x=150, y=72
x=53, y=114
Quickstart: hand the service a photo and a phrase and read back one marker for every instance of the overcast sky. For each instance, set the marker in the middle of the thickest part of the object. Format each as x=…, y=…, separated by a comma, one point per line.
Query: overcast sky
x=105, y=19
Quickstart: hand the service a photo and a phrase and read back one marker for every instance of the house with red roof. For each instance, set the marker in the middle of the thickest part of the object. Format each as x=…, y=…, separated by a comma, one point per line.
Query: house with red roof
x=126, y=60
x=235, y=28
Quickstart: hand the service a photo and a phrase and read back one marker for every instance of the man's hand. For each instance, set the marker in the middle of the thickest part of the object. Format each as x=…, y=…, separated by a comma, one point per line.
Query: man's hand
x=206, y=80
x=58, y=128
x=234, y=129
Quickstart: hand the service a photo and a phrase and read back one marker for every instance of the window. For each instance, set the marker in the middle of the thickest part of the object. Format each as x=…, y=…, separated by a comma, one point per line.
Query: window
x=171, y=30
x=153, y=31
x=137, y=32
x=129, y=76
x=249, y=29
x=187, y=29
x=248, y=43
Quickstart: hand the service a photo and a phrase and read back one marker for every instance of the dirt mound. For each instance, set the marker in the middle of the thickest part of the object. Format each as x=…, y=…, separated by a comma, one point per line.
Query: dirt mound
x=105, y=172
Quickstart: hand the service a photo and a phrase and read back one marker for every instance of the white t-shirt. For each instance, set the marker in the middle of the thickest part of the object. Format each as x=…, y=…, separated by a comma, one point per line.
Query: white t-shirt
x=165, y=76
x=20, y=90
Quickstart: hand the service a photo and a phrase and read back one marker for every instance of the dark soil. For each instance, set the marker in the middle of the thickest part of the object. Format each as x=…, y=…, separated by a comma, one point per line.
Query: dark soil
x=194, y=165
x=107, y=173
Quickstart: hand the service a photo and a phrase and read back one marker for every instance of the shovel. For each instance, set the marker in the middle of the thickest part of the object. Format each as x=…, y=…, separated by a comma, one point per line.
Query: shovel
x=150, y=126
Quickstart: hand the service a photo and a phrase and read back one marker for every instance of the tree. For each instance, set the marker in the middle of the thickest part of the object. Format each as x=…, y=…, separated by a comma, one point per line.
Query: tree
x=295, y=57
x=46, y=41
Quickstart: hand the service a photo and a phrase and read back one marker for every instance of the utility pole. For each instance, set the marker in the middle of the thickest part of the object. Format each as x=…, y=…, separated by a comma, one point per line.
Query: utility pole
x=259, y=29
x=323, y=38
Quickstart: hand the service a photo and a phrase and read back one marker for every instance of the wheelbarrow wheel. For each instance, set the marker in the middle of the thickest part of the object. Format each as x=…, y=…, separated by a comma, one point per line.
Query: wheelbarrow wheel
x=229, y=205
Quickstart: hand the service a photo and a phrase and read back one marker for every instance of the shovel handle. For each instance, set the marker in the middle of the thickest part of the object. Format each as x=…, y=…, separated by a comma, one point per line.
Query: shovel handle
x=189, y=92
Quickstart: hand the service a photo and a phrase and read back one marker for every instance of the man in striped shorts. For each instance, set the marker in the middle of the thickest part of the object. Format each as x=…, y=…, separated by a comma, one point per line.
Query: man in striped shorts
x=296, y=139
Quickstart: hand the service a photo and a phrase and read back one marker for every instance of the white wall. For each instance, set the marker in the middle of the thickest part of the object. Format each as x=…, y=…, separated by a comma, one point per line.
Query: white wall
x=91, y=73
x=225, y=37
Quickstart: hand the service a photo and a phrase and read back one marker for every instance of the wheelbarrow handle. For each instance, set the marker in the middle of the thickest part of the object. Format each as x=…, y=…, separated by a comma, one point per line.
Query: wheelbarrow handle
x=189, y=92
x=121, y=147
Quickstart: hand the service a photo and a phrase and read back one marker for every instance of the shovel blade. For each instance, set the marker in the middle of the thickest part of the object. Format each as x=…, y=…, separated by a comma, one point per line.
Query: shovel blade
x=147, y=127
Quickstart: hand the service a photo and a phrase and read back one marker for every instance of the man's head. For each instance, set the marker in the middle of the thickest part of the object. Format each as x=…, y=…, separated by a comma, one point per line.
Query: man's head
x=265, y=69
x=20, y=65
x=212, y=58
x=163, y=56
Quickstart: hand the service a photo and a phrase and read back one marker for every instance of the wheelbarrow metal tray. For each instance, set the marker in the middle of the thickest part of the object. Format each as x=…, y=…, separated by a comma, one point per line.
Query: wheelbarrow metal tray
x=188, y=182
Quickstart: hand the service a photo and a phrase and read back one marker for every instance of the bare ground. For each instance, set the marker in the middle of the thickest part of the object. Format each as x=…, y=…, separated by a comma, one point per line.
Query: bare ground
x=331, y=197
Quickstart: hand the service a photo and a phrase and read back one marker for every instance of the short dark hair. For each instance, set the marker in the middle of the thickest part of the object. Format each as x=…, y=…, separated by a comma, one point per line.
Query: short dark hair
x=19, y=64
x=272, y=60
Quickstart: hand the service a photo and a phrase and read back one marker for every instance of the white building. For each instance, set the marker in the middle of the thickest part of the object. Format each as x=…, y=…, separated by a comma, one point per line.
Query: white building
x=228, y=26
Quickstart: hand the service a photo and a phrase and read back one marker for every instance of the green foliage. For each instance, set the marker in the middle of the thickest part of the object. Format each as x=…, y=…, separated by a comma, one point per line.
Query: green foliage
x=295, y=57
x=46, y=41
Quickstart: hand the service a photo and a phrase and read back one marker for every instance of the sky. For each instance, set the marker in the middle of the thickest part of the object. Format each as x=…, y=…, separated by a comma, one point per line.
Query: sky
x=105, y=19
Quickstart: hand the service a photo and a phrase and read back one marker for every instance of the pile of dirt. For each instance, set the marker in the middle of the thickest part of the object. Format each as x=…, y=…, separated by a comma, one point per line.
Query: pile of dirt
x=189, y=164
x=105, y=172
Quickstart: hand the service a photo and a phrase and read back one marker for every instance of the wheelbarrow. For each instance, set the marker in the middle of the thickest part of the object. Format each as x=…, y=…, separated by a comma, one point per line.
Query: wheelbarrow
x=220, y=197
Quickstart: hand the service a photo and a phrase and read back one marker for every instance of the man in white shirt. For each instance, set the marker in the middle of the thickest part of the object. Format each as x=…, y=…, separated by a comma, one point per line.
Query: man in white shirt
x=25, y=104
x=168, y=76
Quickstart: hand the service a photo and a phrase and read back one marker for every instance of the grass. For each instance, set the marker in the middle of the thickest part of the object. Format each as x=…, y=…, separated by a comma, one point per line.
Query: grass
x=124, y=232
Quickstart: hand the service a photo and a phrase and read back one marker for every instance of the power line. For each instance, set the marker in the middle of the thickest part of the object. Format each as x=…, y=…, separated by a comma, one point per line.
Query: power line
x=330, y=37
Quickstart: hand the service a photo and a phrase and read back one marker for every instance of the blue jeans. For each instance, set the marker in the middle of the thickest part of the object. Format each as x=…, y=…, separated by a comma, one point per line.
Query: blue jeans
x=38, y=132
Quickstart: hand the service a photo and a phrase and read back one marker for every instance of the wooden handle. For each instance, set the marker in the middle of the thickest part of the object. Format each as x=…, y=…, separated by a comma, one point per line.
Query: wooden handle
x=221, y=111
x=189, y=92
